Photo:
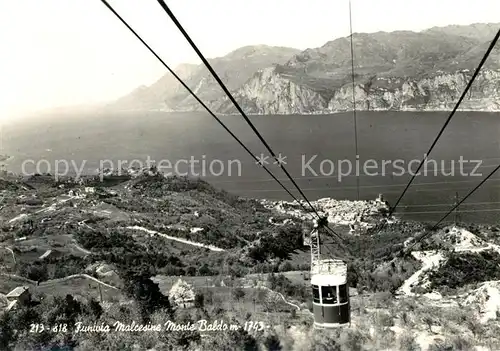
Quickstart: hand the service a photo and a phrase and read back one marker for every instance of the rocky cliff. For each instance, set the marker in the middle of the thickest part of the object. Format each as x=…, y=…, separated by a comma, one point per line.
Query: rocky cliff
x=235, y=68
x=268, y=92
x=400, y=70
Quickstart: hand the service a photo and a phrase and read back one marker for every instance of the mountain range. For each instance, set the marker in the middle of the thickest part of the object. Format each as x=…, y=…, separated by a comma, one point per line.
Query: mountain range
x=400, y=70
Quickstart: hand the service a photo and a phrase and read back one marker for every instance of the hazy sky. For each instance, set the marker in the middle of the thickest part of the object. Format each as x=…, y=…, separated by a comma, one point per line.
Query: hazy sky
x=67, y=52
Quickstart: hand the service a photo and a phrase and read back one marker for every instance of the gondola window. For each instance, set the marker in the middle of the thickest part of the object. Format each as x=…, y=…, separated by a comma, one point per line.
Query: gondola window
x=343, y=293
x=315, y=294
x=329, y=294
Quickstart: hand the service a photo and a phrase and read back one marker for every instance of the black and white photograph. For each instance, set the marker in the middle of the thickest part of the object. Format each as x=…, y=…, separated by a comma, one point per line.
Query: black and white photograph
x=262, y=175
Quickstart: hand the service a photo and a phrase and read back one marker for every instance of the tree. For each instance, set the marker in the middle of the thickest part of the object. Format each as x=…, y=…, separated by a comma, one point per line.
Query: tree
x=272, y=343
x=475, y=327
x=95, y=308
x=37, y=271
x=6, y=331
x=407, y=342
x=148, y=296
x=181, y=340
x=232, y=340
x=64, y=310
x=428, y=319
x=204, y=270
x=238, y=293
x=285, y=266
x=237, y=271
x=352, y=340
x=199, y=300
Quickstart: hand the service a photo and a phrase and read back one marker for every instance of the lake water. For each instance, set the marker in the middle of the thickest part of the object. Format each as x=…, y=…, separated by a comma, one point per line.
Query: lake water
x=382, y=137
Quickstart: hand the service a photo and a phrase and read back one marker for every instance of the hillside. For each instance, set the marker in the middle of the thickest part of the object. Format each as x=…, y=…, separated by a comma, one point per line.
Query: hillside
x=97, y=251
x=234, y=69
x=400, y=70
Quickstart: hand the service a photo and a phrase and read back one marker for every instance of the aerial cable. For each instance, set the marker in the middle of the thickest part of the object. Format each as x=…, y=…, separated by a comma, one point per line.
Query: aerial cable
x=435, y=226
x=467, y=204
x=240, y=110
x=461, y=211
x=467, y=196
x=478, y=69
x=201, y=102
x=354, y=100
x=212, y=114
x=483, y=60
x=230, y=96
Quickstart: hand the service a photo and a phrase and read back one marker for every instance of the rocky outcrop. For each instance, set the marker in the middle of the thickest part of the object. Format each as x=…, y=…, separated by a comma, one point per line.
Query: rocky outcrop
x=234, y=69
x=269, y=92
x=440, y=92
x=399, y=71
x=487, y=299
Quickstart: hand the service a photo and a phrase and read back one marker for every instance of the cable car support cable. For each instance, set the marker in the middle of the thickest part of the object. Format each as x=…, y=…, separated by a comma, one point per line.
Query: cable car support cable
x=435, y=226
x=240, y=110
x=214, y=116
x=464, y=93
x=201, y=102
x=229, y=95
x=483, y=60
x=354, y=100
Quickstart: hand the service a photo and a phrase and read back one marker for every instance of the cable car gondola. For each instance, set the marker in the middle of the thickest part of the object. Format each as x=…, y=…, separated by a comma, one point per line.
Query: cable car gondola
x=330, y=294
x=331, y=306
